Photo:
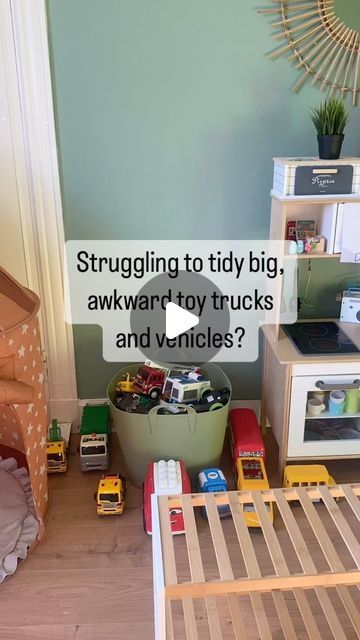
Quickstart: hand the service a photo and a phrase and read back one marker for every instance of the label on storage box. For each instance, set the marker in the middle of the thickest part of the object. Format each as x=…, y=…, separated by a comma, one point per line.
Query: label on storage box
x=323, y=180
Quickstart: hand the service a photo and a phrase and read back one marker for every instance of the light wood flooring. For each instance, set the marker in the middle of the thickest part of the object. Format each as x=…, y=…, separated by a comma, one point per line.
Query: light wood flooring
x=91, y=577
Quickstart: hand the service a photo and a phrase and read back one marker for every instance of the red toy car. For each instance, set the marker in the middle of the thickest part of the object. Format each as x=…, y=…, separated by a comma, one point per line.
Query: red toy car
x=149, y=381
x=166, y=478
x=245, y=435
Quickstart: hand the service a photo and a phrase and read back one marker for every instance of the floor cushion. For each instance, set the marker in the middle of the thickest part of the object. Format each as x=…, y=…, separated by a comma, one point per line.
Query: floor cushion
x=18, y=525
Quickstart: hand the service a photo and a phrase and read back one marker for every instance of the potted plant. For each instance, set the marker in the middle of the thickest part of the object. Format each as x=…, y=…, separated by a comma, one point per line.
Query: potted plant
x=330, y=120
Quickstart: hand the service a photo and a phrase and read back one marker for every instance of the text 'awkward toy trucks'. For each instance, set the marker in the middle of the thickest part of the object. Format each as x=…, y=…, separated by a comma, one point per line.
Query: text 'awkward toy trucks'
x=166, y=479
x=57, y=447
x=95, y=438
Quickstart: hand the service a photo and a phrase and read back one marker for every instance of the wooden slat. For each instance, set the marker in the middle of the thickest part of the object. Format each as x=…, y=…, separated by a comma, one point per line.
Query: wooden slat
x=320, y=532
x=224, y=563
x=262, y=585
x=307, y=563
x=217, y=534
x=251, y=565
x=330, y=554
x=190, y=620
x=352, y=499
x=341, y=524
x=198, y=500
x=170, y=572
x=196, y=565
x=169, y=621
x=282, y=570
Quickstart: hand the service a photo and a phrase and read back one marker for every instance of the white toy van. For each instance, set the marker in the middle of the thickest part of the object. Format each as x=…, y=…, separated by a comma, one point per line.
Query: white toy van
x=184, y=390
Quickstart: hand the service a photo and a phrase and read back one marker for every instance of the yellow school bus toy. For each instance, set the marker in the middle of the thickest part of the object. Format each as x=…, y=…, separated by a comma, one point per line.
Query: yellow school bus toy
x=307, y=475
x=110, y=496
x=251, y=475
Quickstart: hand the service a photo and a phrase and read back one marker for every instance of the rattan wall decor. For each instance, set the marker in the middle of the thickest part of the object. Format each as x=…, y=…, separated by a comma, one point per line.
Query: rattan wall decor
x=319, y=43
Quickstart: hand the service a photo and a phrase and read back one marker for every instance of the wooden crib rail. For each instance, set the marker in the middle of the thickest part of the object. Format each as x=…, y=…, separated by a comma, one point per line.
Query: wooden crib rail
x=169, y=590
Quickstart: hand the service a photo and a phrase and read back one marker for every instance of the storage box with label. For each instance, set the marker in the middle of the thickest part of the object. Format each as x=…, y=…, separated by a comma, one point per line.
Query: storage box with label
x=311, y=176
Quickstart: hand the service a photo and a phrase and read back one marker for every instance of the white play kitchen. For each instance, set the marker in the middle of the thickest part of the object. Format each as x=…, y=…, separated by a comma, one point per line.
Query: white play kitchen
x=311, y=371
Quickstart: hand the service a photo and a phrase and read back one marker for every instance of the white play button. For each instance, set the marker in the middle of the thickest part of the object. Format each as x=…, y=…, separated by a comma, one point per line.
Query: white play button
x=178, y=320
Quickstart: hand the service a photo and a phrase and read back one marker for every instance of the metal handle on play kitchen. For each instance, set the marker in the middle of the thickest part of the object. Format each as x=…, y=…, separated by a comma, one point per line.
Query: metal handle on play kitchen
x=337, y=386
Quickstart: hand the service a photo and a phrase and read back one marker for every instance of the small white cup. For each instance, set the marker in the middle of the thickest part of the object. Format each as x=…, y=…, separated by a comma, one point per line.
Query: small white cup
x=315, y=406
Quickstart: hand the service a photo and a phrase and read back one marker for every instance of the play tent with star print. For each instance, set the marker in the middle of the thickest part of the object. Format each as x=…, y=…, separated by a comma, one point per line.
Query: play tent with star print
x=23, y=410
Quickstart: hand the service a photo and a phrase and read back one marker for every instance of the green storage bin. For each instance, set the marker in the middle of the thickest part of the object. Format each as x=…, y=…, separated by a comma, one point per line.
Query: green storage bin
x=196, y=438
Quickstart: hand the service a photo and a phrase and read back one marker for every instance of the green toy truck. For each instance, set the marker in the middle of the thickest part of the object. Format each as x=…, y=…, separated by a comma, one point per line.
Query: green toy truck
x=95, y=438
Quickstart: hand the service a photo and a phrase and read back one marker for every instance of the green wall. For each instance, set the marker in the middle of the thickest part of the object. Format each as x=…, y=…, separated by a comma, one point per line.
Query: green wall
x=349, y=12
x=168, y=117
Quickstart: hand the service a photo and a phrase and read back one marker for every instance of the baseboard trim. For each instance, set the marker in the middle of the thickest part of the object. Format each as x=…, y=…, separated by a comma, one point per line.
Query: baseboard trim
x=65, y=411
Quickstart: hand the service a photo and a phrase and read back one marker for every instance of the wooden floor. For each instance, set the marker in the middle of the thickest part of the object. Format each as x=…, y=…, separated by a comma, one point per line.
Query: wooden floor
x=91, y=577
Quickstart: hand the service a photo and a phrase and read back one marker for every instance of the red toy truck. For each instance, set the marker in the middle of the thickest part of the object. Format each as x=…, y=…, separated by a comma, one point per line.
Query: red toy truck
x=166, y=478
x=245, y=435
x=149, y=381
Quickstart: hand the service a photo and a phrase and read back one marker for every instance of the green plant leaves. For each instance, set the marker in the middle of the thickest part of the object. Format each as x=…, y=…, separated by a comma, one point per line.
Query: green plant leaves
x=330, y=118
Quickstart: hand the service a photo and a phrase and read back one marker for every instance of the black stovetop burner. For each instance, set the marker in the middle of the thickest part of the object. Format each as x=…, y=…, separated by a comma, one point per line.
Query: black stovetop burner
x=319, y=338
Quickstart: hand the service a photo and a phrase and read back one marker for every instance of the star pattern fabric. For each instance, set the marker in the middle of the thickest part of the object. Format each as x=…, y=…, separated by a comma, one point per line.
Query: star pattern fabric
x=24, y=426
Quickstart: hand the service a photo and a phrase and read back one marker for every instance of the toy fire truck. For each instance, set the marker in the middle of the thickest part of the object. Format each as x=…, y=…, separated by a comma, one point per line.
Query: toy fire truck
x=165, y=479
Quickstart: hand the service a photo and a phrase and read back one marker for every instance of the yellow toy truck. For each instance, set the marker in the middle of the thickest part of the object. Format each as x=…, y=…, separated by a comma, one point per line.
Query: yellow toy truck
x=56, y=447
x=126, y=385
x=110, y=496
x=251, y=475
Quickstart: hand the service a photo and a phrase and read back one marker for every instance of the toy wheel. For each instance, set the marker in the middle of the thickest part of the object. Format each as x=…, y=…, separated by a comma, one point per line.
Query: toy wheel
x=216, y=406
x=154, y=394
x=206, y=393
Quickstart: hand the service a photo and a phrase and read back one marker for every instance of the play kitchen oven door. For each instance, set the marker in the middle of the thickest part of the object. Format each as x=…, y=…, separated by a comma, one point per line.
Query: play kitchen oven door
x=324, y=416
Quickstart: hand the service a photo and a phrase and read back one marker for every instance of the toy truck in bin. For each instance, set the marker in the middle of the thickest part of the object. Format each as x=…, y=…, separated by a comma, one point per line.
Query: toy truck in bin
x=166, y=478
x=125, y=385
x=149, y=381
x=110, y=496
x=150, y=378
x=213, y=481
x=57, y=446
x=185, y=389
x=95, y=438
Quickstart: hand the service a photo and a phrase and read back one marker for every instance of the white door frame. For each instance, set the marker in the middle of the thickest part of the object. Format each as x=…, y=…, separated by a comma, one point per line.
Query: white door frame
x=24, y=42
